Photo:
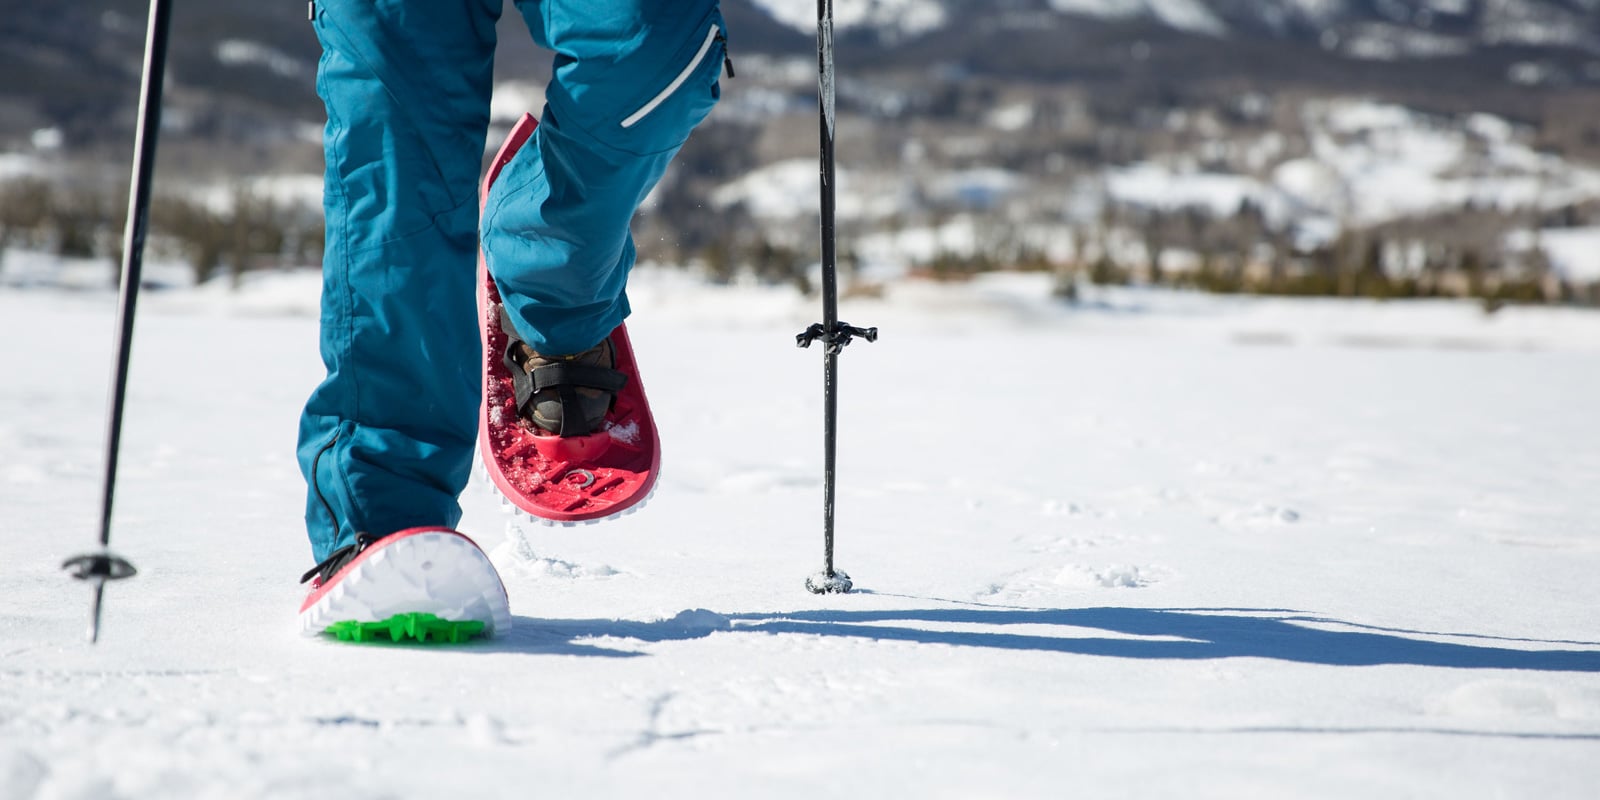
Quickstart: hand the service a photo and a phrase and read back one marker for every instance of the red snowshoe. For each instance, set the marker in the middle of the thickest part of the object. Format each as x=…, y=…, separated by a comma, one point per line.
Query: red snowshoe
x=554, y=479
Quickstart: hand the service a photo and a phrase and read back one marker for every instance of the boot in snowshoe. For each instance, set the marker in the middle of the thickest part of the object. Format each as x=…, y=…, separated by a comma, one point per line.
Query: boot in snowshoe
x=563, y=395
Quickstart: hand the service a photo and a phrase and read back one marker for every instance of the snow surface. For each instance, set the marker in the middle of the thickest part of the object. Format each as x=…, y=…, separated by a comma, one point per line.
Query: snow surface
x=1158, y=545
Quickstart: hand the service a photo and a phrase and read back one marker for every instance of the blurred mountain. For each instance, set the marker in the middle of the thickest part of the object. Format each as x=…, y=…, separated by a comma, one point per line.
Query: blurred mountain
x=1296, y=137
x=1382, y=29
x=244, y=69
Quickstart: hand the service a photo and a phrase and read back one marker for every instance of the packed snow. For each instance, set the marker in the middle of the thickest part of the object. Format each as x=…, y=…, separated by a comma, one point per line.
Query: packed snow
x=1151, y=545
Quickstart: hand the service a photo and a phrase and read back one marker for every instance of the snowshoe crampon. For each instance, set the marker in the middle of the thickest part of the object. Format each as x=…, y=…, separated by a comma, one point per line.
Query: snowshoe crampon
x=430, y=585
x=554, y=479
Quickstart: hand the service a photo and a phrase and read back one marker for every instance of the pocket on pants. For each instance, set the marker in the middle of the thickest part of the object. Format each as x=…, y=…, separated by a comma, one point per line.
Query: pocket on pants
x=704, y=54
x=641, y=93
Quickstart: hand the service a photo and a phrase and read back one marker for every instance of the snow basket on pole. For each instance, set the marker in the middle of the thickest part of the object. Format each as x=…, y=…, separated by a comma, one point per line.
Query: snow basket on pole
x=102, y=565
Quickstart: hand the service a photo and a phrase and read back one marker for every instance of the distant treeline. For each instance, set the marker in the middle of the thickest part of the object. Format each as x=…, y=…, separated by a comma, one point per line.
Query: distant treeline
x=1459, y=252
x=1456, y=253
x=246, y=232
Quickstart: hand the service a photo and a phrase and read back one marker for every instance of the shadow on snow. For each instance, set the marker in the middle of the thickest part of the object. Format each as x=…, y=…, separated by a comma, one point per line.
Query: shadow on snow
x=1142, y=633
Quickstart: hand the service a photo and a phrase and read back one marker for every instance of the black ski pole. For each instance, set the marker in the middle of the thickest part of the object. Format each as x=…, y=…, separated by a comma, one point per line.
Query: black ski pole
x=103, y=565
x=833, y=333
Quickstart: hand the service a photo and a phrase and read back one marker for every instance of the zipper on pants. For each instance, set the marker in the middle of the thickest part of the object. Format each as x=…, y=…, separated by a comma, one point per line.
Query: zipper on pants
x=316, y=481
x=705, y=47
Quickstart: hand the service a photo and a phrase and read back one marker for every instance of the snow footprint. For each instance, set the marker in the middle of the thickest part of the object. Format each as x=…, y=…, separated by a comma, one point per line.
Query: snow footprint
x=1115, y=576
x=516, y=556
x=1506, y=700
x=1260, y=515
x=1040, y=584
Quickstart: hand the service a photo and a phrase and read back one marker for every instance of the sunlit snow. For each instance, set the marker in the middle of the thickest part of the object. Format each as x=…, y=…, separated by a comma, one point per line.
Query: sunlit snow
x=1152, y=542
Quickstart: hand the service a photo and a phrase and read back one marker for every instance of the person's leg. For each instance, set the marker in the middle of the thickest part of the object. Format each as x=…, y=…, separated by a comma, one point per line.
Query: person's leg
x=632, y=79
x=386, y=441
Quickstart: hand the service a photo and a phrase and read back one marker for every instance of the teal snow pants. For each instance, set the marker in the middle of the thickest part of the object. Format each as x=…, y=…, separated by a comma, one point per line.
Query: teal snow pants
x=387, y=439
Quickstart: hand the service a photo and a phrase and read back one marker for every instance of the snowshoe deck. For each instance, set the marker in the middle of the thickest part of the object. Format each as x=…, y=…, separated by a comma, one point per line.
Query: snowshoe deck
x=559, y=480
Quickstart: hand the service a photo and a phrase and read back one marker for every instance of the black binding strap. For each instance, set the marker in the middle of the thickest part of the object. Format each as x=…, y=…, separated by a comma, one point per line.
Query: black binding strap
x=564, y=377
x=589, y=376
x=336, y=560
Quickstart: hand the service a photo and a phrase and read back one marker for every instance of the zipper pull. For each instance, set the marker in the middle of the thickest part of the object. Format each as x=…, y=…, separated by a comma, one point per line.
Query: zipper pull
x=727, y=59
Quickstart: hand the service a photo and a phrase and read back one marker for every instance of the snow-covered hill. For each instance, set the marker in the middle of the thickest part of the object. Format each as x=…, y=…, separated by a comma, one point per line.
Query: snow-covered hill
x=1368, y=29
x=1368, y=164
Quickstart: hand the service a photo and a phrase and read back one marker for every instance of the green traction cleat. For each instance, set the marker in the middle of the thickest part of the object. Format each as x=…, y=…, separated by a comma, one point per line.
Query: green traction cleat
x=424, y=628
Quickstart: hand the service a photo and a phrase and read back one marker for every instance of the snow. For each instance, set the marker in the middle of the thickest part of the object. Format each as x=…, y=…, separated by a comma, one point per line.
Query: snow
x=1379, y=42
x=788, y=189
x=47, y=138
x=1160, y=186
x=512, y=99
x=1397, y=162
x=19, y=165
x=1011, y=118
x=1386, y=30
x=241, y=52
x=20, y=268
x=921, y=244
x=982, y=187
x=893, y=18
x=1573, y=252
x=303, y=191
x=1519, y=22
x=1368, y=163
x=1158, y=545
x=1186, y=15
